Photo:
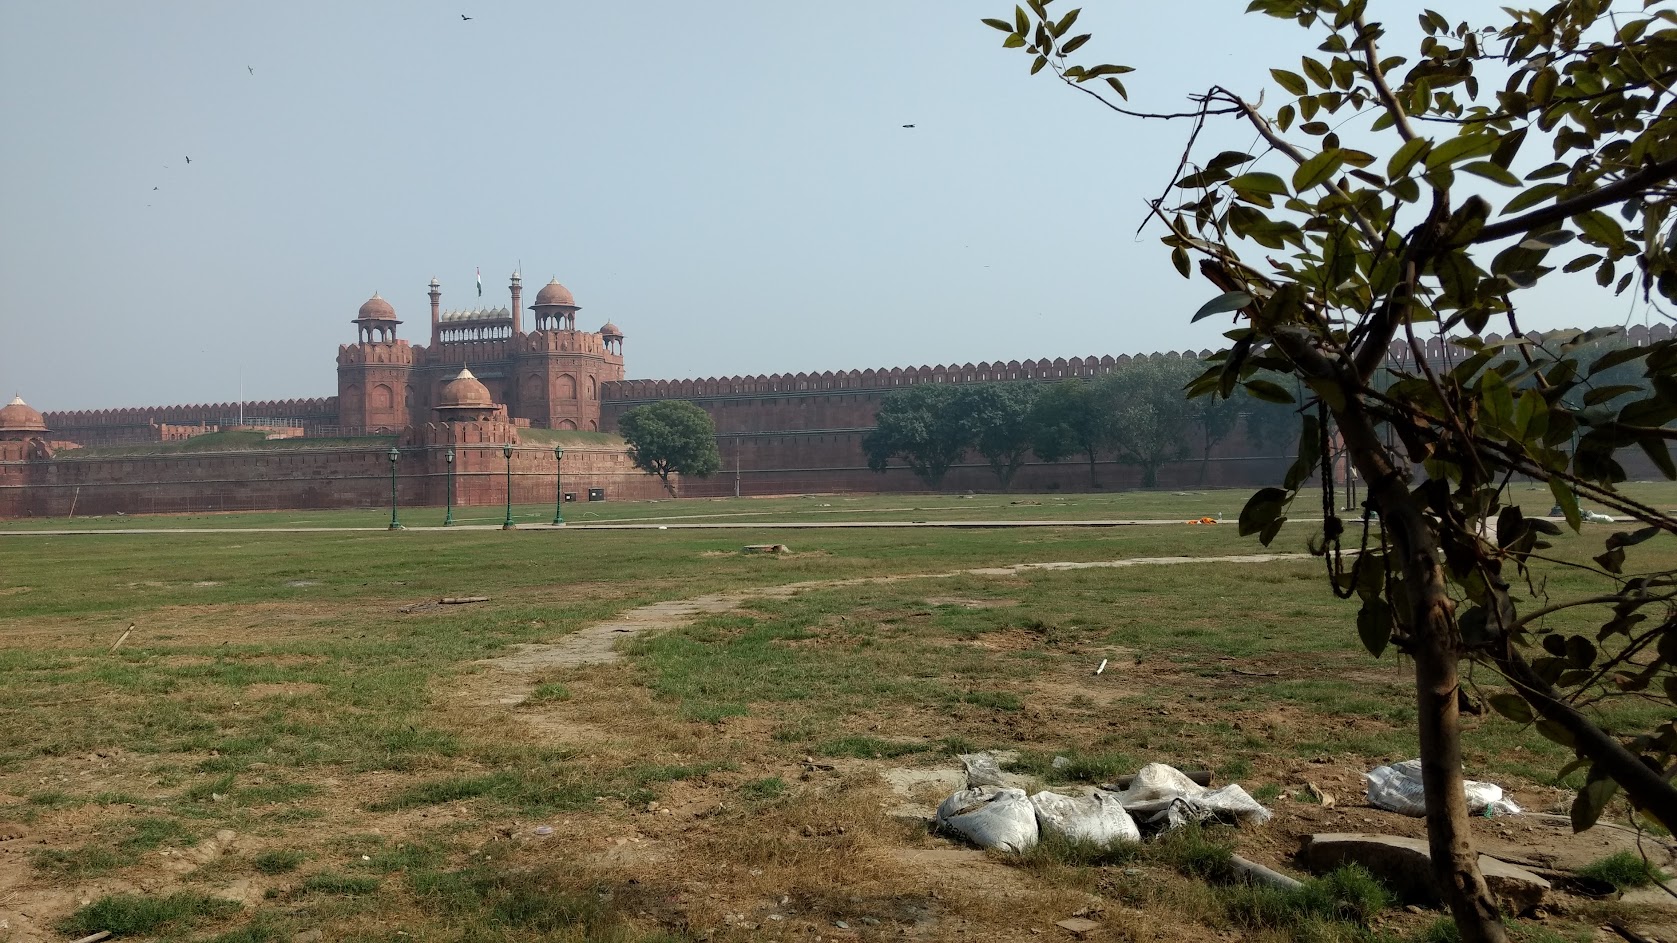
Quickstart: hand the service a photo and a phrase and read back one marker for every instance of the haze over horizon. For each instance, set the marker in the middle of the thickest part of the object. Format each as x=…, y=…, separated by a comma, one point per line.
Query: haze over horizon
x=736, y=190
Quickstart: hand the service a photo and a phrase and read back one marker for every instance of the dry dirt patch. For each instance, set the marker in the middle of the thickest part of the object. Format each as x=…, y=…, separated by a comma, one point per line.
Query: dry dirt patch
x=508, y=681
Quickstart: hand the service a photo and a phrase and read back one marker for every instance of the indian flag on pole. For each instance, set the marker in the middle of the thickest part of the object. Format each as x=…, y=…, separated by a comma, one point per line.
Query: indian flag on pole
x=480, y=282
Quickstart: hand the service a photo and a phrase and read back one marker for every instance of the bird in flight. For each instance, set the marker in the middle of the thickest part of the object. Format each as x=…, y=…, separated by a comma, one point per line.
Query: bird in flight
x=250, y=69
x=189, y=160
x=464, y=17
x=908, y=125
x=154, y=188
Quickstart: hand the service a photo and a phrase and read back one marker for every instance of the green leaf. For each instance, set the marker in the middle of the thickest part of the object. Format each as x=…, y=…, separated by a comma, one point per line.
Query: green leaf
x=1021, y=23
x=1317, y=72
x=1227, y=301
x=1260, y=182
x=1511, y=706
x=1291, y=81
x=994, y=23
x=1406, y=157
x=1316, y=170
x=1228, y=159
x=1179, y=258
x=1600, y=227
x=1490, y=171
x=1567, y=501
x=1547, y=240
x=1374, y=625
x=1533, y=196
x=1460, y=148
x=1531, y=416
x=1592, y=800
x=1309, y=454
x=1013, y=41
x=1065, y=23
x=1554, y=732
x=1074, y=43
x=1269, y=392
x=1261, y=510
x=1038, y=64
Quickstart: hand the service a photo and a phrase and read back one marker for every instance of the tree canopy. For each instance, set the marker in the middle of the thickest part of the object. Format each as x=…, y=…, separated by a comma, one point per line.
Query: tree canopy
x=671, y=437
x=920, y=426
x=1366, y=219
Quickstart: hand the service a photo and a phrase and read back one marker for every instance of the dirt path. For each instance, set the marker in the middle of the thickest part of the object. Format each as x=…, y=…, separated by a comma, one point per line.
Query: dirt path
x=509, y=683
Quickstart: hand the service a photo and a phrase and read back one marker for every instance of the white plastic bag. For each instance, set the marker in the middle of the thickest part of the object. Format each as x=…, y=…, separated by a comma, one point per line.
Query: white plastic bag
x=990, y=817
x=1098, y=818
x=1162, y=794
x=1398, y=788
x=983, y=770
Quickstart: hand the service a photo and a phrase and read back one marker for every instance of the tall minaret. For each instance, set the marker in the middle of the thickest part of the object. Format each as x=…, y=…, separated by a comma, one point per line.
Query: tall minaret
x=436, y=311
x=517, y=302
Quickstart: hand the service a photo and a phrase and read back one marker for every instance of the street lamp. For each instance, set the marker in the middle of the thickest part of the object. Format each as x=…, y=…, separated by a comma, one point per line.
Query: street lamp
x=448, y=516
x=558, y=485
x=394, y=456
x=508, y=524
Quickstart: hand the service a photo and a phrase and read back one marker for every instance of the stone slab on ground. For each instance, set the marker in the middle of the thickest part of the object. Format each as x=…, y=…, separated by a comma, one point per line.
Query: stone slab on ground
x=1405, y=865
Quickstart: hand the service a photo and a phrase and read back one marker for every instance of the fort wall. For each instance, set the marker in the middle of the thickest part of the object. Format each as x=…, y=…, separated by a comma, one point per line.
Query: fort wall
x=802, y=432
x=133, y=425
x=32, y=484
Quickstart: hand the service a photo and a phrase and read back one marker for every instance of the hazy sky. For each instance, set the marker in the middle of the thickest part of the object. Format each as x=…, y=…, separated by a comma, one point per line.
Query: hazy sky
x=730, y=183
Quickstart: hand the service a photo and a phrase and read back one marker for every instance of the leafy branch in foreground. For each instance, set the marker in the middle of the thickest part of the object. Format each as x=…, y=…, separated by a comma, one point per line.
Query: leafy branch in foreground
x=1340, y=257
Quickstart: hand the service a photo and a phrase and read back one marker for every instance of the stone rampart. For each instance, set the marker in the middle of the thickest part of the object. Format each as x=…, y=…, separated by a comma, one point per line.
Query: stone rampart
x=34, y=485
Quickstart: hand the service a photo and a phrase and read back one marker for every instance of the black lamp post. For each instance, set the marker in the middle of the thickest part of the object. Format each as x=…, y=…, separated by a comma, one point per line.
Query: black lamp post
x=394, y=456
x=508, y=524
x=448, y=516
x=558, y=485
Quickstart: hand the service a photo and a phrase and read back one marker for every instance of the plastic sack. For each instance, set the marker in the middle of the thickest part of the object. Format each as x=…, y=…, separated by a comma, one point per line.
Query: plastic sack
x=1397, y=788
x=983, y=770
x=1164, y=795
x=989, y=817
x=1098, y=818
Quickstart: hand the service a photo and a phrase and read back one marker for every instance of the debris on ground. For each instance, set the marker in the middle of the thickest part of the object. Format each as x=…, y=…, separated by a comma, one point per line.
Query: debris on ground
x=1164, y=797
x=1097, y=818
x=765, y=548
x=991, y=817
x=1397, y=788
x=1079, y=927
x=991, y=812
x=1405, y=865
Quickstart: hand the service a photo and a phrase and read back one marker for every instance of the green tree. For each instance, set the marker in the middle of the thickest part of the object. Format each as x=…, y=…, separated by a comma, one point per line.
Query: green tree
x=1151, y=416
x=1325, y=251
x=1271, y=425
x=1073, y=418
x=671, y=437
x=920, y=426
x=1001, y=421
x=1217, y=418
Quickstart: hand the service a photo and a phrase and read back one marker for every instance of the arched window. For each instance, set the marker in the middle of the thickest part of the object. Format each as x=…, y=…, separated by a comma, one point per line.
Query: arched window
x=566, y=386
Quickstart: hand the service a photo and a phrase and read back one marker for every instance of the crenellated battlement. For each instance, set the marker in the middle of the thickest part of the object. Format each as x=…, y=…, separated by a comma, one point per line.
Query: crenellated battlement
x=1437, y=351
x=319, y=409
x=397, y=353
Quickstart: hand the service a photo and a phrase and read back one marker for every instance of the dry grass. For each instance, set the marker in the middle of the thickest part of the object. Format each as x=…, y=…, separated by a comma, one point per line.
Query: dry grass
x=723, y=781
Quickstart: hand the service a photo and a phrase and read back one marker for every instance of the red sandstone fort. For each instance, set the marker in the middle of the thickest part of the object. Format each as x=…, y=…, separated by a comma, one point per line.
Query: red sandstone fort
x=454, y=419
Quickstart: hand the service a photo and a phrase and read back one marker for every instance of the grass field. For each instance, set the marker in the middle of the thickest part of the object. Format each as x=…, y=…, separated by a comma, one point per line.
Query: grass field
x=1127, y=505
x=294, y=737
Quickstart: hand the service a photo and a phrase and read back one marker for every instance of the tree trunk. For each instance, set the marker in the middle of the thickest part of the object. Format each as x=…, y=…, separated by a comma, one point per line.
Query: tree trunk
x=1205, y=464
x=1093, y=481
x=1150, y=475
x=1435, y=642
x=1455, y=863
x=1436, y=648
